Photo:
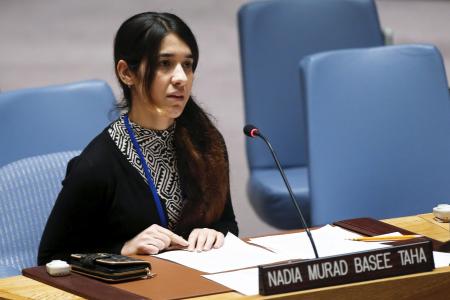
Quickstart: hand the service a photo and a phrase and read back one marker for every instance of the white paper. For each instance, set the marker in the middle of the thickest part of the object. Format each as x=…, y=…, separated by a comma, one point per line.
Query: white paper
x=242, y=281
x=329, y=240
x=234, y=254
x=441, y=259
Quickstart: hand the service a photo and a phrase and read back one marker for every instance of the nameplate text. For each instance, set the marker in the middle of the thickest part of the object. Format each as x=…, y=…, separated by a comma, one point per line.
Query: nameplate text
x=333, y=270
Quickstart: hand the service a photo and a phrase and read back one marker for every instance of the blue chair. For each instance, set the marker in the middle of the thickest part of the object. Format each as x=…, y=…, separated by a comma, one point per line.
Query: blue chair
x=28, y=190
x=378, y=124
x=52, y=119
x=274, y=36
x=6, y=271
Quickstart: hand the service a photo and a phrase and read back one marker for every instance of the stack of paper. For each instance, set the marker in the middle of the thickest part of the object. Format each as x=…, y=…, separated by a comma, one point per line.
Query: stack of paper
x=234, y=254
x=329, y=241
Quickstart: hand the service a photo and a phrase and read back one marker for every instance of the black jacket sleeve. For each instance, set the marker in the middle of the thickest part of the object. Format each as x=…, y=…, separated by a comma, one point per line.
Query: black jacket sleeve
x=76, y=223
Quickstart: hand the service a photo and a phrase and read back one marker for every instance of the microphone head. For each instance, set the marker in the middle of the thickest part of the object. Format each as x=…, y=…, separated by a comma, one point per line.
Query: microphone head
x=250, y=130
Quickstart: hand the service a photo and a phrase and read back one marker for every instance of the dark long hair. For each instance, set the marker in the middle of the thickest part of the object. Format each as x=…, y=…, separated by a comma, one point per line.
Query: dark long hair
x=201, y=156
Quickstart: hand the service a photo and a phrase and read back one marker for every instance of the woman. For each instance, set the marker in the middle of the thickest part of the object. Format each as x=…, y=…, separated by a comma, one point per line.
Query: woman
x=158, y=176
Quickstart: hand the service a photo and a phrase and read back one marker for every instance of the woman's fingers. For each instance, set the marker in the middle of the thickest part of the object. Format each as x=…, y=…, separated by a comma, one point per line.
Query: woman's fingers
x=147, y=249
x=192, y=240
x=152, y=240
x=176, y=239
x=201, y=239
x=156, y=238
x=210, y=239
x=204, y=239
x=157, y=242
x=172, y=237
x=219, y=240
x=162, y=238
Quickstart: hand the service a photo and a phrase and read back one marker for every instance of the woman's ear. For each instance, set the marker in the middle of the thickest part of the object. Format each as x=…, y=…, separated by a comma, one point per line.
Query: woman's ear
x=125, y=74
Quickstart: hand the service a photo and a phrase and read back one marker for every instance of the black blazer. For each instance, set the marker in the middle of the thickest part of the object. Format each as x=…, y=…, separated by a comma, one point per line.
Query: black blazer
x=104, y=202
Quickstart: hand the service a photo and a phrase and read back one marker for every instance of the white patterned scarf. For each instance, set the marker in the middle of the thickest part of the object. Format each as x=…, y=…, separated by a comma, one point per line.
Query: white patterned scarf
x=158, y=148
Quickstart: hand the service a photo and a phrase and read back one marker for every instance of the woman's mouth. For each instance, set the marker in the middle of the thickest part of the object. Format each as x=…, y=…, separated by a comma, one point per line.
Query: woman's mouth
x=176, y=96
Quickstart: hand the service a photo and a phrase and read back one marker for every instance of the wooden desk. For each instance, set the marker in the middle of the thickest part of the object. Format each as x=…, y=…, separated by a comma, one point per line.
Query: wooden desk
x=21, y=288
x=423, y=224
x=422, y=285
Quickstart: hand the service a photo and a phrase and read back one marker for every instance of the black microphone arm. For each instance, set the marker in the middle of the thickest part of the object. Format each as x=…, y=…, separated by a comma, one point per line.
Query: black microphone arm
x=252, y=131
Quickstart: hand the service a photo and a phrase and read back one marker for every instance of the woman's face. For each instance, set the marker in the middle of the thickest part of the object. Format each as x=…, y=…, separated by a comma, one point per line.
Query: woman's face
x=172, y=84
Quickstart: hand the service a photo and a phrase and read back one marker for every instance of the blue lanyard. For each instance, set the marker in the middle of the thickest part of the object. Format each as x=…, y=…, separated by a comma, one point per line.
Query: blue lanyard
x=151, y=184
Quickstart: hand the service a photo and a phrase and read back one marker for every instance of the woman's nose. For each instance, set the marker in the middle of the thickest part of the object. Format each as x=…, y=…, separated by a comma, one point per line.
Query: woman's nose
x=179, y=76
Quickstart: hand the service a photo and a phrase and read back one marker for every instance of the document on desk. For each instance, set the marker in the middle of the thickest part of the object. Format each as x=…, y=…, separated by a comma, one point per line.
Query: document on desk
x=242, y=281
x=441, y=259
x=329, y=240
x=234, y=254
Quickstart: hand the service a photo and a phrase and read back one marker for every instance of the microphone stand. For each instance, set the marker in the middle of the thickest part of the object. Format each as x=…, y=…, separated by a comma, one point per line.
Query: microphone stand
x=291, y=194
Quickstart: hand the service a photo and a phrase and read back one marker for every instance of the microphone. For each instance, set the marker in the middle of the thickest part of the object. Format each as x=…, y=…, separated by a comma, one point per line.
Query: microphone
x=252, y=131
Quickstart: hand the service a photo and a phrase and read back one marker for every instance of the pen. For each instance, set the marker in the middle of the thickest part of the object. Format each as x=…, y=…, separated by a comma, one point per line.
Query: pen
x=386, y=238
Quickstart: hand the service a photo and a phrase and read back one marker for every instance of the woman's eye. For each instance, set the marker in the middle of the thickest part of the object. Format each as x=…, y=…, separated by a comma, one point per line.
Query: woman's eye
x=187, y=65
x=164, y=63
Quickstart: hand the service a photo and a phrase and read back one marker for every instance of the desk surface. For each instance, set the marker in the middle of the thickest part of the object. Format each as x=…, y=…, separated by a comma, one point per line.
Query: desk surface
x=425, y=284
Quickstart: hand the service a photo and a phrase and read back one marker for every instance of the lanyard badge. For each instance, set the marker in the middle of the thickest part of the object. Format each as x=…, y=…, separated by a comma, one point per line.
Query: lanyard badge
x=151, y=184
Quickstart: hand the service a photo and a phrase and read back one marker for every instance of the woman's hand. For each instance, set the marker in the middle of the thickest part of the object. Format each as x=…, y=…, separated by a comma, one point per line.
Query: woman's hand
x=203, y=239
x=152, y=240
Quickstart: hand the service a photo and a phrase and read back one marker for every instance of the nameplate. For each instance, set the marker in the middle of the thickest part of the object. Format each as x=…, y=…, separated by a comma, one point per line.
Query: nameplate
x=333, y=270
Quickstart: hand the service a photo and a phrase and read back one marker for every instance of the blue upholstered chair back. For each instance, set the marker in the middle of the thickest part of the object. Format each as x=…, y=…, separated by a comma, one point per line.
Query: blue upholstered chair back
x=51, y=119
x=378, y=132
x=274, y=36
x=28, y=189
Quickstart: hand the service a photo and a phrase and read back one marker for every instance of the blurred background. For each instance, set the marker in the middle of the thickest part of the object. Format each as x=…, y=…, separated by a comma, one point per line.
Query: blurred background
x=53, y=42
